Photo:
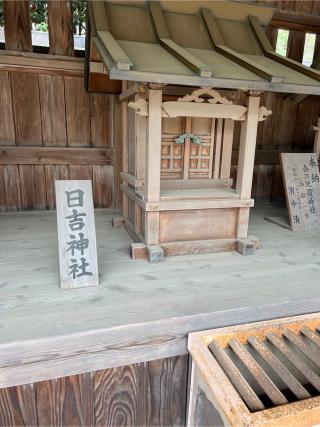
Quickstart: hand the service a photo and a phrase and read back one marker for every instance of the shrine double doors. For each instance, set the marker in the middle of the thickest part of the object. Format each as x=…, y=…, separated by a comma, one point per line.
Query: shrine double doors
x=207, y=156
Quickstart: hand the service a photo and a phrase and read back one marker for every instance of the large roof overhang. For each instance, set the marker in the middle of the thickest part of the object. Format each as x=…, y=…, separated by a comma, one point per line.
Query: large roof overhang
x=219, y=44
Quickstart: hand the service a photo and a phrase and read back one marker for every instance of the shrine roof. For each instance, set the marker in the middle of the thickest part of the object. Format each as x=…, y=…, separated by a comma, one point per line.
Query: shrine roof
x=219, y=44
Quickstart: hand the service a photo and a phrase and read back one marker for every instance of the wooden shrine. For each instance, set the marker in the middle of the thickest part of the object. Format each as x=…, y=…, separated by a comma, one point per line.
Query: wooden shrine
x=178, y=126
x=177, y=190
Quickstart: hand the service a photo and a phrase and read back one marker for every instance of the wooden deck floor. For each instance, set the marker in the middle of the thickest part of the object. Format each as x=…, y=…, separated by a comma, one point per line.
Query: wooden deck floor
x=140, y=311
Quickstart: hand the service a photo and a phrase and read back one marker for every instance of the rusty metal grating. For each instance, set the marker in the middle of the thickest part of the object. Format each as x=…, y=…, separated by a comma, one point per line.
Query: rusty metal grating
x=271, y=368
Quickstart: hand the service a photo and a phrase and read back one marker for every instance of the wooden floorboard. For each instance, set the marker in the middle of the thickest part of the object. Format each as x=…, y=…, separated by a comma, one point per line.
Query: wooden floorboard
x=140, y=311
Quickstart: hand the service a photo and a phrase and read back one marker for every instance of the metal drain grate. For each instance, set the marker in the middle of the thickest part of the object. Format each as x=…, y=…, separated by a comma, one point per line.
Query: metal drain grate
x=275, y=369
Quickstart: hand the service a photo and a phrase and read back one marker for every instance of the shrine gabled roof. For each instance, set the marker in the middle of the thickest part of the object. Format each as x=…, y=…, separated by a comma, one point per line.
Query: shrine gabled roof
x=219, y=44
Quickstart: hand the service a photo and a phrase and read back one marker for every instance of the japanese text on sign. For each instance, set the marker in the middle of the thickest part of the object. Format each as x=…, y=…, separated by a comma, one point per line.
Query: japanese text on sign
x=77, y=240
x=302, y=184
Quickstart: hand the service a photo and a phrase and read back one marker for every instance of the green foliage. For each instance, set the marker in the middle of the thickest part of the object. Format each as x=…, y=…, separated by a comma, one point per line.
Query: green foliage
x=79, y=9
x=39, y=14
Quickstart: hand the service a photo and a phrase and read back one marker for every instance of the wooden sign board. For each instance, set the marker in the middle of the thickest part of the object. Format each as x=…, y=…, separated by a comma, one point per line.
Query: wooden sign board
x=301, y=178
x=76, y=234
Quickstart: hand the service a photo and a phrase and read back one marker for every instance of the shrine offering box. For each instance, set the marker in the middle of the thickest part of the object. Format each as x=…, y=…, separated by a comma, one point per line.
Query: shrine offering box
x=258, y=374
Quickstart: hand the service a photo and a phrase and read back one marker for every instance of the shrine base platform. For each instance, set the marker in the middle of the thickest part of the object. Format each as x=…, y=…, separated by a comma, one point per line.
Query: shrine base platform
x=140, y=311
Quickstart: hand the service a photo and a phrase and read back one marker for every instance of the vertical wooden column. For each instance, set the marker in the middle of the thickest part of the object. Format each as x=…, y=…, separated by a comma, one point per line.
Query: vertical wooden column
x=246, y=161
x=117, y=145
x=153, y=165
x=140, y=153
x=60, y=27
x=125, y=164
x=17, y=25
x=316, y=144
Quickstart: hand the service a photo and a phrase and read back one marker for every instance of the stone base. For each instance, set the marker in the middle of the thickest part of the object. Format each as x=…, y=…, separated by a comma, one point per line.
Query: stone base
x=155, y=253
x=246, y=247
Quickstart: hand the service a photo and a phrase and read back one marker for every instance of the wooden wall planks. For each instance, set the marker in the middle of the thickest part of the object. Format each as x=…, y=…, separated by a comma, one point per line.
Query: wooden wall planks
x=53, y=111
x=26, y=108
x=149, y=394
x=7, y=134
x=18, y=406
x=77, y=112
x=52, y=101
x=289, y=127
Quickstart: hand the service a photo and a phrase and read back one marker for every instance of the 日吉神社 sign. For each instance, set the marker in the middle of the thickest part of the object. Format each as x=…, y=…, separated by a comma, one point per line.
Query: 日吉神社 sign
x=302, y=186
x=76, y=234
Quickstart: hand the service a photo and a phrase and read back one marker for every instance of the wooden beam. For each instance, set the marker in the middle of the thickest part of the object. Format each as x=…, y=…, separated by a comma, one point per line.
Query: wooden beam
x=183, y=184
x=290, y=20
x=131, y=91
x=131, y=179
x=17, y=25
x=225, y=83
x=260, y=34
x=118, y=55
x=186, y=57
x=269, y=52
x=41, y=63
x=180, y=205
x=101, y=27
x=60, y=28
x=219, y=45
x=55, y=156
x=179, y=52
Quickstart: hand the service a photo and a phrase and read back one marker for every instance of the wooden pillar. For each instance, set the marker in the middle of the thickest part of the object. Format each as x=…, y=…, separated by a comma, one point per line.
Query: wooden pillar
x=117, y=144
x=140, y=154
x=17, y=25
x=316, y=144
x=60, y=27
x=246, y=162
x=125, y=162
x=247, y=148
x=153, y=165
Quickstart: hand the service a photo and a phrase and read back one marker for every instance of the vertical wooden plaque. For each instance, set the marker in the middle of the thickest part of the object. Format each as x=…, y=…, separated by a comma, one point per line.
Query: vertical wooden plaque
x=301, y=178
x=76, y=234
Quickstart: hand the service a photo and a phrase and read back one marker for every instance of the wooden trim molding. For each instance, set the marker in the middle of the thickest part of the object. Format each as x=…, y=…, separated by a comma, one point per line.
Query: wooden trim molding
x=55, y=156
x=193, y=105
x=295, y=21
x=41, y=63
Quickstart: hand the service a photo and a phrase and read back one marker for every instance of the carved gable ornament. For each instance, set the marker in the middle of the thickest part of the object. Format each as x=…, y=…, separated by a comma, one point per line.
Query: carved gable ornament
x=214, y=96
x=203, y=102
